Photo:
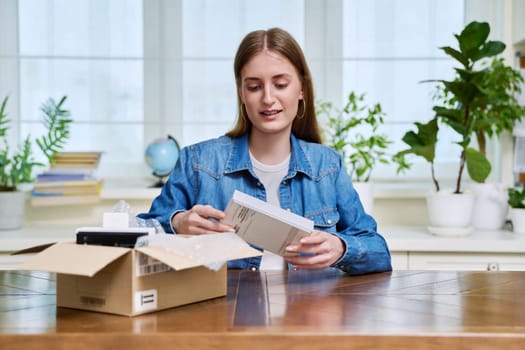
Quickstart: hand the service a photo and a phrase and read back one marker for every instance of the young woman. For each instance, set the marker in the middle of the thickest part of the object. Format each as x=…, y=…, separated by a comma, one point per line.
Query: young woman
x=274, y=153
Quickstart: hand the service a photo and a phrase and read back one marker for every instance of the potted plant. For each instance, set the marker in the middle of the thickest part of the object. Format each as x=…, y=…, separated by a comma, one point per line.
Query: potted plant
x=353, y=132
x=478, y=103
x=516, y=201
x=16, y=167
x=496, y=110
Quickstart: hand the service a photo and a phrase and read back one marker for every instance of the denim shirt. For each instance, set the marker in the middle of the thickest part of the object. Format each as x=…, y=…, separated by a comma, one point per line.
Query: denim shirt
x=316, y=187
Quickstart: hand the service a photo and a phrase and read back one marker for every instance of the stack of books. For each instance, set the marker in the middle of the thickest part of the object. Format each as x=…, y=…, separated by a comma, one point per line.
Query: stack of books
x=71, y=179
x=75, y=162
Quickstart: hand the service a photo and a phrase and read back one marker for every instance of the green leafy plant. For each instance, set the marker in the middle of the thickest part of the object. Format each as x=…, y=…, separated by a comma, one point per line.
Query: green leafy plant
x=479, y=102
x=353, y=132
x=500, y=110
x=17, y=167
x=516, y=197
x=423, y=144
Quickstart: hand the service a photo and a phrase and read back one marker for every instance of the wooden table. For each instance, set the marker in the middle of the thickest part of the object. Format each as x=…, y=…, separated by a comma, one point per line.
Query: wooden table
x=280, y=310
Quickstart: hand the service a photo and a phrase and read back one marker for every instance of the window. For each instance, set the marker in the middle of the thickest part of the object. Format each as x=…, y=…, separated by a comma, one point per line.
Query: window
x=137, y=70
x=389, y=48
x=91, y=51
x=208, y=98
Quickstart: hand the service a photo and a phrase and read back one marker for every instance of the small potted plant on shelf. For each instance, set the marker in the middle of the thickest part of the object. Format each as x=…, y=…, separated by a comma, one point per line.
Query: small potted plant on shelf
x=516, y=201
x=479, y=102
x=17, y=163
x=353, y=132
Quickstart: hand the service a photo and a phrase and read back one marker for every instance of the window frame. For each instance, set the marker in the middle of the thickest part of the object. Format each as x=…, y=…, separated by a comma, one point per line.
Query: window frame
x=163, y=69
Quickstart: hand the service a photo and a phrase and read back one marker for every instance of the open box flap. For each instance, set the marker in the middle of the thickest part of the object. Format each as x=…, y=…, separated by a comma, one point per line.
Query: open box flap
x=74, y=259
x=179, y=262
x=34, y=249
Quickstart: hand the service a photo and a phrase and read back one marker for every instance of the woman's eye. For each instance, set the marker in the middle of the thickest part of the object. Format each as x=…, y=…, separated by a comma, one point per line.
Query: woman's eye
x=281, y=86
x=253, y=87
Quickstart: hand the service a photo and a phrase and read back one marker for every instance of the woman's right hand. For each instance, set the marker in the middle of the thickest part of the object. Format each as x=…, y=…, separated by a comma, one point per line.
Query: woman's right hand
x=199, y=220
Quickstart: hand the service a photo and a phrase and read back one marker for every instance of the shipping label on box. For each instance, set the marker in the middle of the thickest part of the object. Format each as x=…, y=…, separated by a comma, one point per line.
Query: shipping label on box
x=144, y=301
x=147, y=265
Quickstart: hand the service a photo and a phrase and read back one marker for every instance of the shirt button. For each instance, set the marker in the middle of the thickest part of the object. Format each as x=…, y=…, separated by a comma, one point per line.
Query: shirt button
x=259, y=184
x=253, y=269
x=329, y=222
x=284, y=182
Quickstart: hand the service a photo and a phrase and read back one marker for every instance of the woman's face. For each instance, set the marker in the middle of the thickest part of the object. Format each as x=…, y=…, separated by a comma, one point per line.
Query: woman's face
x=270, y=89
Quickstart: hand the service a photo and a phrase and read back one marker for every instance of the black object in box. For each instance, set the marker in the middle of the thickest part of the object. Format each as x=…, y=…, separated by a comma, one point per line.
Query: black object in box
x=126, y=237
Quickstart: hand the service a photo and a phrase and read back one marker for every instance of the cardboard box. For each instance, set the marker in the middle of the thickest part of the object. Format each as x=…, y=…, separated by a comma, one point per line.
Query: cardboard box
x=127, y=281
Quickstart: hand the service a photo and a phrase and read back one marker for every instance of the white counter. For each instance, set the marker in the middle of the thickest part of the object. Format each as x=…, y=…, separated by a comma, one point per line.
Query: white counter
x=29, y=236
x=419, y=239
x=415, y=248
x=411, y=247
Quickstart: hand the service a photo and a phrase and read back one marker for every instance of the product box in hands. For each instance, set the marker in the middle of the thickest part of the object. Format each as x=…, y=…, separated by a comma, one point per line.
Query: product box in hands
x=134, y=281
x=264, y=225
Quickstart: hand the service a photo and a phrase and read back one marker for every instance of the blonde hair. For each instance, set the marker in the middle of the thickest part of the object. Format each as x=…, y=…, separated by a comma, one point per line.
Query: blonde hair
x=305, y=125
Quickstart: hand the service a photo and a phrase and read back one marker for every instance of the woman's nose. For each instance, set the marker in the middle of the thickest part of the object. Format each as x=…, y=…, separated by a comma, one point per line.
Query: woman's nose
x=268, y=96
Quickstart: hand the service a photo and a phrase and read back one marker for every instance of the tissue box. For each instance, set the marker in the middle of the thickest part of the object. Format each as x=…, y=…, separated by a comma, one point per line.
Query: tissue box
x=129, y=281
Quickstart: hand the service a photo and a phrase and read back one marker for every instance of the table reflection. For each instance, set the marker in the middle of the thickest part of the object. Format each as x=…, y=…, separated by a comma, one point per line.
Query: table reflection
x=303, y=297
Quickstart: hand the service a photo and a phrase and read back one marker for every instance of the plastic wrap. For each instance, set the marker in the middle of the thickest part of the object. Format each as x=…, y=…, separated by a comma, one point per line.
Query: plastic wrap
x=209, y=249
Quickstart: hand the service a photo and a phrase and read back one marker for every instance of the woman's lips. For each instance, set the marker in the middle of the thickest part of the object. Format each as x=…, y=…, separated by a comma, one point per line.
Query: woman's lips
x=269, y=114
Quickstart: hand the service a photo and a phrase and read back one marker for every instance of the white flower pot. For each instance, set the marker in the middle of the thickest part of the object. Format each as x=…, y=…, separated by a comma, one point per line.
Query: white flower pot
x=450, y=214
x=517, y=215
x=490, y=208
x=12, y=206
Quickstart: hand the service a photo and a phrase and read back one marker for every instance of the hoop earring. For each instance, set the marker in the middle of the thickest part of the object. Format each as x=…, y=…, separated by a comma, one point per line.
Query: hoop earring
x=301, y=116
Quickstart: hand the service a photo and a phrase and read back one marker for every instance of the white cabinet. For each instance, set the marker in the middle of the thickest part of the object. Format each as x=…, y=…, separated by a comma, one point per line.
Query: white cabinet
x=414, y=248
x=399, y=260
x=466, y=261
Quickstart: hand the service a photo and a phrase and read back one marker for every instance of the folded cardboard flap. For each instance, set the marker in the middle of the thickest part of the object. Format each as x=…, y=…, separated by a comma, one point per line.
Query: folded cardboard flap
x=87, y=260
x=34, y=249
x=72, y=258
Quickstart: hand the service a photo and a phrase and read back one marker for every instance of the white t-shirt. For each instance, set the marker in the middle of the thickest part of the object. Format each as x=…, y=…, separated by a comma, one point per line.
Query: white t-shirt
x=271, y=177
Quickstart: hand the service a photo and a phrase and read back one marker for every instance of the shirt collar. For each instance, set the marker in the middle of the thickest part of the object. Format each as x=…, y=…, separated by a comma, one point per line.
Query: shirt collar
x=239, y=158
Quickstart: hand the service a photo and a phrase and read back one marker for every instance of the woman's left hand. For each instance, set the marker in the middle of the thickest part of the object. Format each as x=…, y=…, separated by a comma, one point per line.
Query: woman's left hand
x=318, y=250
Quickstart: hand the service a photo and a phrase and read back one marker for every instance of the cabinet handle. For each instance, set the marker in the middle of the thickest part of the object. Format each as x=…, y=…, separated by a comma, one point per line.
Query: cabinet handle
x=493, y=266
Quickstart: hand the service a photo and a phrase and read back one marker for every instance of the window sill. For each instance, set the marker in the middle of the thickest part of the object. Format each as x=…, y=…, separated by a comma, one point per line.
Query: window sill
x=141, y=189
x=407, y=190
x=115, y=189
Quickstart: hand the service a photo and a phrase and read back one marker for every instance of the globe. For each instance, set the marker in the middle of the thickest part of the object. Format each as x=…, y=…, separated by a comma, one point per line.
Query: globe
x=161, y=156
